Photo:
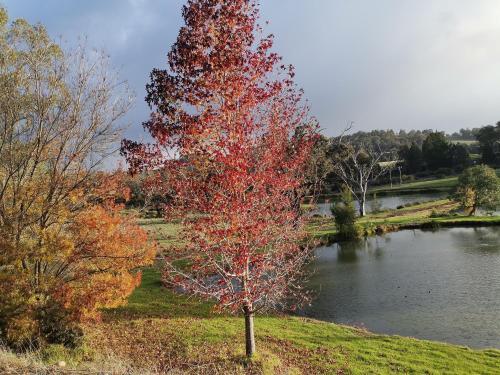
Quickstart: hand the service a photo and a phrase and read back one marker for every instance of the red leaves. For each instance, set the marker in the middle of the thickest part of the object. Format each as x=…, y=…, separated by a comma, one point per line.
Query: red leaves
x=228, y=117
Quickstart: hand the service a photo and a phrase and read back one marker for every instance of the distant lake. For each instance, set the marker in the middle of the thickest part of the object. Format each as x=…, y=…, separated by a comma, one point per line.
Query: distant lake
x=442, y=285
x=386, y=202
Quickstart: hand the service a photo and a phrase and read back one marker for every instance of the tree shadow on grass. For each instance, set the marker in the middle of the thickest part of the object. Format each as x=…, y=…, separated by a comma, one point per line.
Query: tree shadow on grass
x=153, y=300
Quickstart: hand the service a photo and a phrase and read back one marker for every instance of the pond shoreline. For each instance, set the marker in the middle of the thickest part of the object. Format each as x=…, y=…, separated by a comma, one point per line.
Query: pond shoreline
x=410, y=218
x=389, y=192
x=376, y=228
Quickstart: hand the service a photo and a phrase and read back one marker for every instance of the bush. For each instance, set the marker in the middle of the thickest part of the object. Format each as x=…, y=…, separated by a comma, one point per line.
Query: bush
x=344, y=214
x=57, y=327
x=44, y=324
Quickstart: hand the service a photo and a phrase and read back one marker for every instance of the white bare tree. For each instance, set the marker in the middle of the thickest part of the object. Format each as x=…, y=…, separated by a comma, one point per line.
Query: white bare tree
x=356, y=166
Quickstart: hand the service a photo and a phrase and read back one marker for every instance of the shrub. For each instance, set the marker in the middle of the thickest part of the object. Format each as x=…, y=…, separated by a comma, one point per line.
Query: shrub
x=434, y=213
x=57, y=327
x=100, y=250
x=344, y=214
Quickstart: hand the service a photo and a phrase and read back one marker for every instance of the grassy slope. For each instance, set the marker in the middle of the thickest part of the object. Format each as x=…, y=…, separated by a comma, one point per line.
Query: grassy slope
x=158, y=331
x=446, y=184
x=159, y=327
x=442, y=184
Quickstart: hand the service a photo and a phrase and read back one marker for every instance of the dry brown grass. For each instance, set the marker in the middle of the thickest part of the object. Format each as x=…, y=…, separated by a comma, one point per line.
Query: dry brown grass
x=33, y=364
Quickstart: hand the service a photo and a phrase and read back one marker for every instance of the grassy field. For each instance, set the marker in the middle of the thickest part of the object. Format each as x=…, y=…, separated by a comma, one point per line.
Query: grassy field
x=158, y=327
x=442, y=184
x=446, y=184
x=159, y=331
x=464, y=142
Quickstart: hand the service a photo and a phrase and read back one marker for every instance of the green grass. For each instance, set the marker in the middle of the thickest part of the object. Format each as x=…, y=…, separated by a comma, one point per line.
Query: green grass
x=151, y=300
x=164, y=233
x=159, y=331
x=464, y=142
x=190, y=332
x=442, y=184
x=446, y=184
x=185, y=327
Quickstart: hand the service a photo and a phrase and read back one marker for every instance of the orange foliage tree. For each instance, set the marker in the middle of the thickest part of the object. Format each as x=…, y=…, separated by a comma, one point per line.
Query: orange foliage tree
x=65, y=249
x=86, y=261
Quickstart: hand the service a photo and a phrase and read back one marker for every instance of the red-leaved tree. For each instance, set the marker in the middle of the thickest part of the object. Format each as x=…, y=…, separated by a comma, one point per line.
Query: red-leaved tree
x=232, y=137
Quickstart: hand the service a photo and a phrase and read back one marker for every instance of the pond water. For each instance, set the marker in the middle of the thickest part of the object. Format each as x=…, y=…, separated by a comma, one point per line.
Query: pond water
x=386, y=202
x=442, y=285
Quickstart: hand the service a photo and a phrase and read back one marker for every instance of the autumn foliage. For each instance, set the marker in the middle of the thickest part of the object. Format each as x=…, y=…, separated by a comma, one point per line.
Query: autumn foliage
x=84, y=263
x=232, y=137
x=66, y=249
x=109, y=248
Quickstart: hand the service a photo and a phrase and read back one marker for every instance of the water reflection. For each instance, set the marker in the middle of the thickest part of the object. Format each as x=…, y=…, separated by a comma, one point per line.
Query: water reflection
x=483, y=241
x=347, y=251
x=442, y=285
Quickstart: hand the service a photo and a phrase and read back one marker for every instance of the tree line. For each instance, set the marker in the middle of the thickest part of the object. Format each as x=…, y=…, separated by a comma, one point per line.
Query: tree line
x=359, y=161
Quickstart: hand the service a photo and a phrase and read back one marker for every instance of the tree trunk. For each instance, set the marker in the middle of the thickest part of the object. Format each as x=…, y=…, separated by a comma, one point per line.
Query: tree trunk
x=362, y=204
x=296, y=199
x=249, y=332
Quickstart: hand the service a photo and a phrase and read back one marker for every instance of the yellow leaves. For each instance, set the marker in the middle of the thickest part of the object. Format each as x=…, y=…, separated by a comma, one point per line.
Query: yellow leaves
x=76, y=196
x=20, y=329
x=55, y=244
x=3, y=18
x=469, y=198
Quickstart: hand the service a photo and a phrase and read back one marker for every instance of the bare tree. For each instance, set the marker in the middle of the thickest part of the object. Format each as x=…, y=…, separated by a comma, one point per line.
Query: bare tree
x=59, y=121
x=357, y=166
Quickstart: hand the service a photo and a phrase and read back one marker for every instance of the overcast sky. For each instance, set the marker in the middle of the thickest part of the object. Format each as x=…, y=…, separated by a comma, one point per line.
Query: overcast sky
x=398, y=64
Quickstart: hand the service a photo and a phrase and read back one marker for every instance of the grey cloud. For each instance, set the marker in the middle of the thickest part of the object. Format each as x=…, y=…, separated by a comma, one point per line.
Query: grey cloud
x=383, y=64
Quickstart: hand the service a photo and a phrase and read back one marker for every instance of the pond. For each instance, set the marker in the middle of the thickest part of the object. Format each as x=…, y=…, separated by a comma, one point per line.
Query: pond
x=386, y=202
x=442, y=285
